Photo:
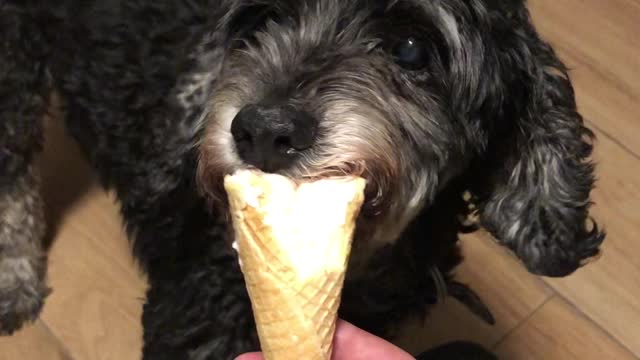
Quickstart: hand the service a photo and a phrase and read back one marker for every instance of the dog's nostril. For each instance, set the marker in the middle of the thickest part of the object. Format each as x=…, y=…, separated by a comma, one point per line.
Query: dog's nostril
x=283, y=145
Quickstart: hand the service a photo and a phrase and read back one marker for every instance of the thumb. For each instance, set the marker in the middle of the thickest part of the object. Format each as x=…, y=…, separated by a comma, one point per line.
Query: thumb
x=352, y=343
x=250, y=356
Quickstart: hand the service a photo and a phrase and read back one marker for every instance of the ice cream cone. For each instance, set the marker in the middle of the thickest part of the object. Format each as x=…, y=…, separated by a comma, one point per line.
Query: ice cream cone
x=294, y=242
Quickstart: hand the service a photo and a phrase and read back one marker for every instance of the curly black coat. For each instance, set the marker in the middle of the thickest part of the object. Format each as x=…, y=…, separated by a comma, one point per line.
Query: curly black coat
x=136, y=77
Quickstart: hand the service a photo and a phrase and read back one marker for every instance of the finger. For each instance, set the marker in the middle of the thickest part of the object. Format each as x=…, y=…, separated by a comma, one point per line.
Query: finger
x=352, y=343
x=250, y=356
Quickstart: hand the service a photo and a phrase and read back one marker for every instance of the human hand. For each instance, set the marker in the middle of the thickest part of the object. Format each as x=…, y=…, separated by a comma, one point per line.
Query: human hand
x=352, y=343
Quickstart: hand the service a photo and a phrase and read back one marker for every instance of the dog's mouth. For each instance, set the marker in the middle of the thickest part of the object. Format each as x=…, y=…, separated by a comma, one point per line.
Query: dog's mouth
x=374, y=203
x=211, y=173
x=371, y=212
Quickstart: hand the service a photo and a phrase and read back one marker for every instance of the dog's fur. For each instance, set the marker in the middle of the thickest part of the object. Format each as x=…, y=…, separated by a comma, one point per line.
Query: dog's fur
x=151, y=89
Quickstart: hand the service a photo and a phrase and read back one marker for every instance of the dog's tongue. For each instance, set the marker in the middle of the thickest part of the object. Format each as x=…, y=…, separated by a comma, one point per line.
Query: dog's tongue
x=294, y=243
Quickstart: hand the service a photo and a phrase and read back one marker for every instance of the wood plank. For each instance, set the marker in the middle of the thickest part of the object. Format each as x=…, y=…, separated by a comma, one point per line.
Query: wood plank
x=507, y=288
x=599, y=41
x=96, y=305
x=559, y=332
x=97, y=295
x=34, y=342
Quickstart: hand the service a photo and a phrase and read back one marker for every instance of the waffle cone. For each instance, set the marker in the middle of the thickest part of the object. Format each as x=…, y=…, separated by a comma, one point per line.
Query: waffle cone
x=294, y=243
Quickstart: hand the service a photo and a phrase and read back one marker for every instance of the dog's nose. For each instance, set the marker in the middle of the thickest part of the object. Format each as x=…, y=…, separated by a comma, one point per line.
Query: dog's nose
x=271, y=138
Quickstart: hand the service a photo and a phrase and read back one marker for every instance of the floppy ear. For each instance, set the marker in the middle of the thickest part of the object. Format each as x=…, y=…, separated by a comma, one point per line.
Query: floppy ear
x=534, y=197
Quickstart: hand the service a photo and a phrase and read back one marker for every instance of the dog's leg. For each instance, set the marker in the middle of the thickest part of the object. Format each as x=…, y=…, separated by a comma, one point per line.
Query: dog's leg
x=23, y=101
x=22, y=257
x=197, y=305
x=198, y=309
x=402, y=281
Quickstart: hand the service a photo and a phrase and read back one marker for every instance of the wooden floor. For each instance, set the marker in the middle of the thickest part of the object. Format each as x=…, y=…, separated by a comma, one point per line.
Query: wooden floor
x=95, y=309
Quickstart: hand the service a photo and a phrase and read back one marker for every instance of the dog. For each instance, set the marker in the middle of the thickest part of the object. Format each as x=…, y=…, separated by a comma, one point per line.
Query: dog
x=450, y=109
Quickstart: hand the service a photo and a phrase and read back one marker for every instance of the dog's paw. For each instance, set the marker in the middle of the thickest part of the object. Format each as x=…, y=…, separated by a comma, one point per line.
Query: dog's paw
x=22, y=293
x=23, y=261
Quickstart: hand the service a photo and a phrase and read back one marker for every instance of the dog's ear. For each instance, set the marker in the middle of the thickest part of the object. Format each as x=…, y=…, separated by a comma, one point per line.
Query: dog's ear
x=536, y=179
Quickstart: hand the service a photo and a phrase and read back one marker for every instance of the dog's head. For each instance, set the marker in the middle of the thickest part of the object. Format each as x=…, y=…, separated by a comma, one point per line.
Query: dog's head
x=408, y=94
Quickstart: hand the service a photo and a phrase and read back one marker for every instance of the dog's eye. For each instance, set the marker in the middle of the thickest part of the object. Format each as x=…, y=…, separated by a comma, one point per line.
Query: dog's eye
x=410, y=54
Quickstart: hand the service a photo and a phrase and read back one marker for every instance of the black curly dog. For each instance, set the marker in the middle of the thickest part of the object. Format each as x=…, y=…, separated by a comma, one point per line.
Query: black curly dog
x=427, y=99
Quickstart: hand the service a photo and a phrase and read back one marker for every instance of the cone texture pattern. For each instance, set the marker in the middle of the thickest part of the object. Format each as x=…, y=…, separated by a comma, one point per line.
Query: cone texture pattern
x=294, y=243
